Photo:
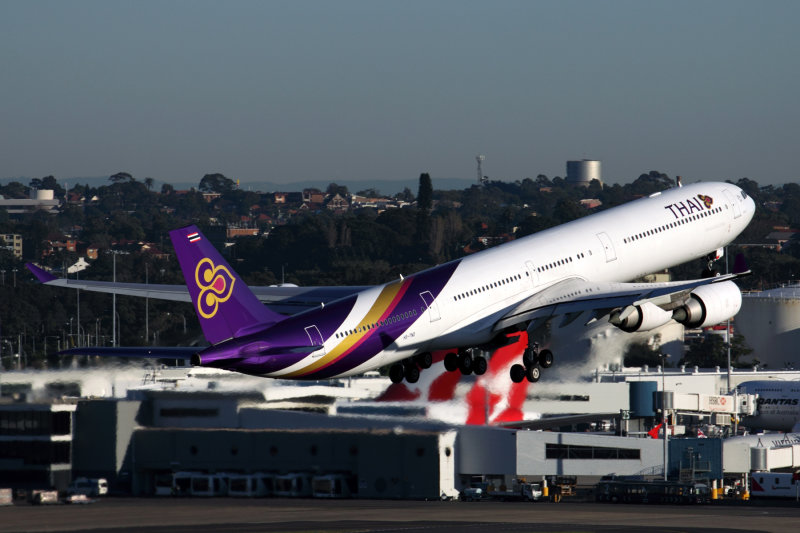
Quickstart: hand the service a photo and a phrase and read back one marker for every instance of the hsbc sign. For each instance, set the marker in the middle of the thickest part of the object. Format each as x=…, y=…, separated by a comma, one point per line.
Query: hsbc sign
x=716, y=404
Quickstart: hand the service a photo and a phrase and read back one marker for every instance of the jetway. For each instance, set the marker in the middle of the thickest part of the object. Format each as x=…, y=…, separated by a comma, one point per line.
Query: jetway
x=731, y=404
x=762, y=452
x=769, y=459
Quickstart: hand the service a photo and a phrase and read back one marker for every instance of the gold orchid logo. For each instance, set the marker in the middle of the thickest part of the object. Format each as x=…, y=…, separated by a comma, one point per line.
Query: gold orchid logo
x=707, y=200
x=215, y=284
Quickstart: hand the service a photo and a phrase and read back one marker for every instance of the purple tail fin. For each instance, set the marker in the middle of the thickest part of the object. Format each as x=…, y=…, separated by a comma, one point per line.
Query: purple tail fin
x=225, y=306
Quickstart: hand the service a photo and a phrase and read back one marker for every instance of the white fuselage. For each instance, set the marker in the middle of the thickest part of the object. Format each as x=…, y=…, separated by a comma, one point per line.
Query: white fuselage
x=778, y=405
x=616, y=245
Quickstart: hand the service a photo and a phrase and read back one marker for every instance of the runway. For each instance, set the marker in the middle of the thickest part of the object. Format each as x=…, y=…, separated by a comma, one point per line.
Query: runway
x=346, y=516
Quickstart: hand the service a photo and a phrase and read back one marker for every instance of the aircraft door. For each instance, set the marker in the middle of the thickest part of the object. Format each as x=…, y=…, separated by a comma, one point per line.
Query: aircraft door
x=315, y=337
x=534, y=274
x=737, y=209
x=608, y=247
x=430, y=303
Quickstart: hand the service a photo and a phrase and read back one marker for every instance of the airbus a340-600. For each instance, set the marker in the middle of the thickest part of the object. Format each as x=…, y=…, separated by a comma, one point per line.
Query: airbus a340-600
x=575, y=271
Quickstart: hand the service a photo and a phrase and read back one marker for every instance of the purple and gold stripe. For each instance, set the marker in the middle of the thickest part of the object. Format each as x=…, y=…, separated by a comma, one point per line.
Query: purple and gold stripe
x=396, y=298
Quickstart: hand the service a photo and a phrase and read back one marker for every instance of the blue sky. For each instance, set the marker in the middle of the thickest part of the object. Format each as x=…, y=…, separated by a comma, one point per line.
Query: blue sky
x=369, y=90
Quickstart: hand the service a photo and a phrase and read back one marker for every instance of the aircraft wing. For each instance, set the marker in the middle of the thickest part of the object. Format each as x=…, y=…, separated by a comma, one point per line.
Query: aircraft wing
x=572, y=297
x=147, y=352
x=286, y=300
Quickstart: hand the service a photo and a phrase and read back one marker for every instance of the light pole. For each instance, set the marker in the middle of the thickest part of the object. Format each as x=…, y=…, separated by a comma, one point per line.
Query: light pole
x=14, y=270
x=664, y=421
x=3, y=273
x=78, y=296
x=114, y=304
x=58, y=343
x=728, y=332
x=118, y=333
x=146, y=303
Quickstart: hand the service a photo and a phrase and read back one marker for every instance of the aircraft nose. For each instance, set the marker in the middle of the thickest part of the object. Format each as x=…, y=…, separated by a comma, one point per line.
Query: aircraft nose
x=749, y=207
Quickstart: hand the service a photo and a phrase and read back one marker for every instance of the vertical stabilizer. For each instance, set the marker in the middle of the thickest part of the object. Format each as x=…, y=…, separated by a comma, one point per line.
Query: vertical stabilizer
x=223, y=303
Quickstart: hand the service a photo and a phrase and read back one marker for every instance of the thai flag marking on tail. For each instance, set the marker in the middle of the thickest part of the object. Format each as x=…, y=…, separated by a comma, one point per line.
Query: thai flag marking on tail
x=193, y=237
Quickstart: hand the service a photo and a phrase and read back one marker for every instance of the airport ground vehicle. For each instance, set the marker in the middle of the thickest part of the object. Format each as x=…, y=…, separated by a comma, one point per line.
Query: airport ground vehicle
x=296, y=485
x=199, y=484
x=560, y=486
x=250, y=485
x=88, y=486
x=520, y=491
x=331, y=486
x=639, y=491
x=775, y=485
x=44, y=497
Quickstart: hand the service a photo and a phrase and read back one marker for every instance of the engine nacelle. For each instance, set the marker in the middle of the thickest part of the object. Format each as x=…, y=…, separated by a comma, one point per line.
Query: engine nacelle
x=640, y=317
x=709, y=305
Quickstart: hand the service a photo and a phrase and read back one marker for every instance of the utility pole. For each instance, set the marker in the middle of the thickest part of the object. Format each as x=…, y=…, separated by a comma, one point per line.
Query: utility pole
x=114, y=305
x=664, y=420
x=146, y=304
x=78, y=293
x=728, y=332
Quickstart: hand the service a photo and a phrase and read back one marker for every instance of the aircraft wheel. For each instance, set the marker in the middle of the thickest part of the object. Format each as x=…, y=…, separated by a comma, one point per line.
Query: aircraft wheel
x=517, y=373
x=396, y=373
x=533, y=373
x=480, y=365
x=451, y=362
x=424, y=360
x=529, y=357
x=465, y=364
x=412, y=373
x=546, y=358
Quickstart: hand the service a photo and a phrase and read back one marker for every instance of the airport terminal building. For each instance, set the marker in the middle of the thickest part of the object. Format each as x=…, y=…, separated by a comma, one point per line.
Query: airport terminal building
x=138, y=444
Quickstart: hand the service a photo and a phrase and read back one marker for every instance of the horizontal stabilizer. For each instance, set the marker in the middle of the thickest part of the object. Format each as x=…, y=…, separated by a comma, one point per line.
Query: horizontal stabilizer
x=42, y=275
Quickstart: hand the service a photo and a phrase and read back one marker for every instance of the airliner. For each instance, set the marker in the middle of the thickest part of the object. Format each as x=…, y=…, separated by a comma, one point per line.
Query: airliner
x=576, y=271
x=778, y=405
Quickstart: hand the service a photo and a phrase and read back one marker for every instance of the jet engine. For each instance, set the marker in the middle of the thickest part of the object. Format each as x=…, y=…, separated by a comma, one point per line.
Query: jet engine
x=640, y=317
x=709, y=305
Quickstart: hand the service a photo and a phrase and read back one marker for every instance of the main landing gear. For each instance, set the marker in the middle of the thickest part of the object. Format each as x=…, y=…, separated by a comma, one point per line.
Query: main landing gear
x=533, y=360
x=466, y=362
x=409, y=369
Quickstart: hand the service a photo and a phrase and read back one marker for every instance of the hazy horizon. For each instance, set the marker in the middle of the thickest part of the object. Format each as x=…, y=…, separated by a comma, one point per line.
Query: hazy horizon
x=285, y=91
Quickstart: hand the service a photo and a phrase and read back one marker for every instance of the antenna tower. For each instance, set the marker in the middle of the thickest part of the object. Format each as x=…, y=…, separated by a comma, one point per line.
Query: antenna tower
x=481, y=178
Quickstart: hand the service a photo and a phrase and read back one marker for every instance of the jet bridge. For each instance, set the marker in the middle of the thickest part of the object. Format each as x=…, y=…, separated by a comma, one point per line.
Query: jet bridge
x=711, y=404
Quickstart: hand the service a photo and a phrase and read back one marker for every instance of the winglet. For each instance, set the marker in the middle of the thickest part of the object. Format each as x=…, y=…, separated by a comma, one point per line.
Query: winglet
x=41, y=274
x=740, y=264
